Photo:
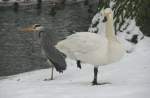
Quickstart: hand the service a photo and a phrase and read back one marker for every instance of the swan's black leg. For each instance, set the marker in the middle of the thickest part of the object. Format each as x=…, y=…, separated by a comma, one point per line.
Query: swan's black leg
x=79, y=64
x=95, y=76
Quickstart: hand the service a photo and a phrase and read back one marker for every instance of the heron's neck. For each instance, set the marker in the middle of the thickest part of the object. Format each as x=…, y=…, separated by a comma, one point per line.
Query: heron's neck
x=110, y=28
x=40, y=34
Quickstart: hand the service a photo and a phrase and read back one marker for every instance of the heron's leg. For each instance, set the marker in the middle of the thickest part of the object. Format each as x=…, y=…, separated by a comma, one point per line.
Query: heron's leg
x=79, y=64
x=52, y=69
x=52, y=72
x=95, y=76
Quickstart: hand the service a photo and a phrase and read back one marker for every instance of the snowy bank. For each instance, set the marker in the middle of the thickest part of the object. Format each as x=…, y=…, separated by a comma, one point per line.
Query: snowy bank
x=128, y=78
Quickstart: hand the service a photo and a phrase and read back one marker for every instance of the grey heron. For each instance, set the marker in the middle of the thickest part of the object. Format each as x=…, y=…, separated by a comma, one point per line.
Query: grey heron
x=47, y=42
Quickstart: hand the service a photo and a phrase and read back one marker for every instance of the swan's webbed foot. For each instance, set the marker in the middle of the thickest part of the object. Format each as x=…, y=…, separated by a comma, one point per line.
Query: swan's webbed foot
x=95, y=83
x=47, y=79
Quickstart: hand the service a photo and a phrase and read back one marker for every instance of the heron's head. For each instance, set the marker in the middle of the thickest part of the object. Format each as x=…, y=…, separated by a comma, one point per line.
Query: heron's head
x=33, y=28
x=36, y=28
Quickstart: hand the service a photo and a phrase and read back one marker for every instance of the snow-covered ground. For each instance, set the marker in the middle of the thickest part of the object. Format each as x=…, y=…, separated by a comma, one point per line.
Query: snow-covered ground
x=129, y=78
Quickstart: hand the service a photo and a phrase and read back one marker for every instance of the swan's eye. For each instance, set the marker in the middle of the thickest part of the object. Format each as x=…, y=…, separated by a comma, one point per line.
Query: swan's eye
x=105, y=19
x=128, y=32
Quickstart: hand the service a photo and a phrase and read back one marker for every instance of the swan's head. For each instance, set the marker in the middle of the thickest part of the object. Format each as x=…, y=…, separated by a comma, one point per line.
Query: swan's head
x=33, y=28
x=107, y=12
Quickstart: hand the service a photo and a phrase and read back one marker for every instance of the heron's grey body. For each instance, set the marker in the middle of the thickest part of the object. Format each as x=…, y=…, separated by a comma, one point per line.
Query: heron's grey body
x=48, y=41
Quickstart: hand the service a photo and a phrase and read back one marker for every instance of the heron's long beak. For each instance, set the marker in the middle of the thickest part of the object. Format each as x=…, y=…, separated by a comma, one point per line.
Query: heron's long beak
x=27, y=29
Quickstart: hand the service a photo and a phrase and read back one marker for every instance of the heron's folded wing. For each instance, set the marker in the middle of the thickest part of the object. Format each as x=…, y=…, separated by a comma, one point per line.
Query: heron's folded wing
x=56, y=57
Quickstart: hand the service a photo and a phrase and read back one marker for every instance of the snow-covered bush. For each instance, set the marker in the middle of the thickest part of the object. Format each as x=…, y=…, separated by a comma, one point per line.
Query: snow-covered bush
x=127, y=32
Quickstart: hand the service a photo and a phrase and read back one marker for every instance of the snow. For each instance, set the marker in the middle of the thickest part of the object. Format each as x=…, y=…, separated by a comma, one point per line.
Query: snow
x=128, y=78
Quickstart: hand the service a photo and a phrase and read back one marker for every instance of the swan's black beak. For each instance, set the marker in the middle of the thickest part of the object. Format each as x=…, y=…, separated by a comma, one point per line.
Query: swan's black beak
x=105, y=19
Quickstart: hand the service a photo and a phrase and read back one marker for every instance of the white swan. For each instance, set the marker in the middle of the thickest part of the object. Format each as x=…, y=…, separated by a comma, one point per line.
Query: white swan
x=92, y=48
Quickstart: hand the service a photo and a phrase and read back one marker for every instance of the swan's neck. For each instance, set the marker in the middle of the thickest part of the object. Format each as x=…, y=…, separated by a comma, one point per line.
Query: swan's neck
x=110, y=28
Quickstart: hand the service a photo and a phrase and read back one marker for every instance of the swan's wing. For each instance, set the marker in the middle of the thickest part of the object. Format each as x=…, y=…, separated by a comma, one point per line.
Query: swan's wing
x=88, y=44
x=82, y=43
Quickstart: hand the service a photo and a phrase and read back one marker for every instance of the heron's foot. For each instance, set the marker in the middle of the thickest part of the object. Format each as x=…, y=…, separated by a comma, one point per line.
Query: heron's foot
x=48, y=79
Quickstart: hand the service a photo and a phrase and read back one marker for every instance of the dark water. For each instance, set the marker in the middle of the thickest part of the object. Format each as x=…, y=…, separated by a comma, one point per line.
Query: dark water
x=19, y=52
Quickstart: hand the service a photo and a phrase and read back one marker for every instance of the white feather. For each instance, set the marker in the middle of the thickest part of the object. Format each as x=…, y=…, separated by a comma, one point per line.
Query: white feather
x=93, y=48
